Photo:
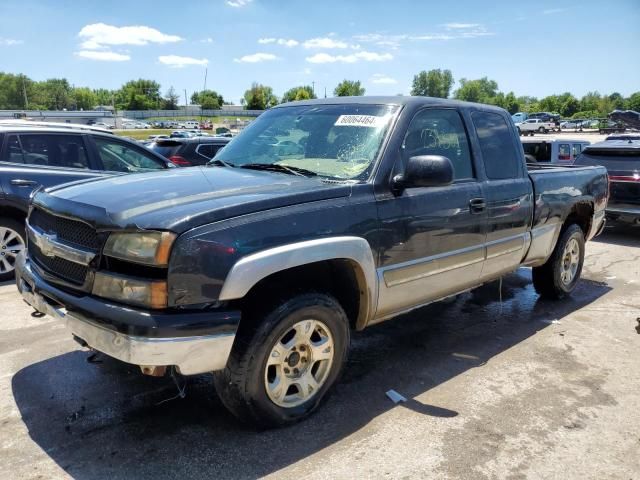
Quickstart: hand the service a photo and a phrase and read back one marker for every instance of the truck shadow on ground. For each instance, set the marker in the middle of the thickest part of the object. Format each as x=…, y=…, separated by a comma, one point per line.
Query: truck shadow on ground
x=99, y=418
x=623, y=235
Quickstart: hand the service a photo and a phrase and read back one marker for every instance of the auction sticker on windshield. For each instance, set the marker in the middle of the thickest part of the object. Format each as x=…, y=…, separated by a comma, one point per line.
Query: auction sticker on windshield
x=360, y=121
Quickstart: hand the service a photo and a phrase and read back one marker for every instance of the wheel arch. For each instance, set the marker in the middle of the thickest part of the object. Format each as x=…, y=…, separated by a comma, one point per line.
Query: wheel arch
x=345, y=265
x=17, y=214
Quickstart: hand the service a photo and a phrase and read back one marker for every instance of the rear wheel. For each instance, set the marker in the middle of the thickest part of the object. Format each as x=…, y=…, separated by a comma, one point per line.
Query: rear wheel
x=559, y=276
x=280, y=370
x=541, y=130
x=12, y=243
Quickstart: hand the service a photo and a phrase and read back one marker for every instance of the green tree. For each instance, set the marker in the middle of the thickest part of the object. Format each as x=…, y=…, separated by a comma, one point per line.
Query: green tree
x=139, y=94
x=590, y=102
x=349, y=88
x=511, y=103
x=207, y=99
x=617, y=101
x=104, y=96
x=434, y=83
x=304, y=92
x=54, y=94
x=171, y=99
x=84, y=98
x=480, y=91
x=259, y=97
x=12, y=91
x=633, y=102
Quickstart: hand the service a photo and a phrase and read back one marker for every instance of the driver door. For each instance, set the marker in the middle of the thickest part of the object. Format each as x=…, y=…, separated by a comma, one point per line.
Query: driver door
x=432, y=237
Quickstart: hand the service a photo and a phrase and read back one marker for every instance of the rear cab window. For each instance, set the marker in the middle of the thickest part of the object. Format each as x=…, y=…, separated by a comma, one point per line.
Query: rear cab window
x=564, y=152
x=576, y=150
x=497, y=146
x=540, y=151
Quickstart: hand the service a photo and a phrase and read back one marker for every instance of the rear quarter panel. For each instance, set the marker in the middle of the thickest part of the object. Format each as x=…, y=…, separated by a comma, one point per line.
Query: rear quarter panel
x=557, y=190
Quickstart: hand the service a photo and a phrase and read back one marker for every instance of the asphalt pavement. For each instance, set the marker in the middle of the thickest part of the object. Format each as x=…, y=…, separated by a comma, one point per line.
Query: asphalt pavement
x=500, y=385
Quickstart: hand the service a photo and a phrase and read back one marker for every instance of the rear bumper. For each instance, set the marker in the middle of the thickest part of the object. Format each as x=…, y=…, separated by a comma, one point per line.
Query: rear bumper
x=624, y=213
x=194, y=342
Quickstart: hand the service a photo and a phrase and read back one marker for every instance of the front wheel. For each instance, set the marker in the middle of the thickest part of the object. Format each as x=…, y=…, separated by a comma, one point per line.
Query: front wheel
x=559, y=276
x=280, y=370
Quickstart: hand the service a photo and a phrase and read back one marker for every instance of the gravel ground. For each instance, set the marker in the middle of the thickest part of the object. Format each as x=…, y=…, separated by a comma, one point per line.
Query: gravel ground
x=522, y=388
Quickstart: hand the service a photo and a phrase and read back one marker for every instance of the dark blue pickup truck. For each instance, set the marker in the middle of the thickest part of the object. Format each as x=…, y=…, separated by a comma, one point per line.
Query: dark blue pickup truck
x=321, y=217
x=37, y=154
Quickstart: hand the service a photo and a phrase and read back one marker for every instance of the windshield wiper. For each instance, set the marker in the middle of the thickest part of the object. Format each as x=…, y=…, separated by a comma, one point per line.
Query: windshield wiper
x=216, y=162
x=280, y=168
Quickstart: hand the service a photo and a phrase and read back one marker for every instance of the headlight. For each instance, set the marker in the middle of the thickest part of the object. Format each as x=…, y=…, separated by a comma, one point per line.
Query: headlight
x=133, y=291
x=149, y=248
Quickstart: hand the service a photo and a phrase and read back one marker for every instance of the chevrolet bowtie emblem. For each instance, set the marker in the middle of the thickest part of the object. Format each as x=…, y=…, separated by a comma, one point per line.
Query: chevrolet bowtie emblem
x=47, y=244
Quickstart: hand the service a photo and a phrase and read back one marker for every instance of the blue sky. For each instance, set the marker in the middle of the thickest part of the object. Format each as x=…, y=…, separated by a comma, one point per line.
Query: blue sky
x=533, y=48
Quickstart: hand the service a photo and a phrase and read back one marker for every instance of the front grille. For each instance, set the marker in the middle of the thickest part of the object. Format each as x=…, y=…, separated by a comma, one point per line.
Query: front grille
x=69, y=231
x=625, y=192
x=70, y=271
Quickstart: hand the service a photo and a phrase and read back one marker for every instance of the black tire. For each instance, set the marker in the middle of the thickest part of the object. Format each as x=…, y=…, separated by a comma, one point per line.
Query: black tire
x=17, y=227
x=241, y=385
x=547, y=278
x=541, y=130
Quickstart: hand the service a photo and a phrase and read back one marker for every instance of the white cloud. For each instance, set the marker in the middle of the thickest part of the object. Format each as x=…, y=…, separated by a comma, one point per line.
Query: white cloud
x=280, y=41
x=433, y=36
x=452, y=31
x=256, y=58
x=238, y=3
x=551, y=11
x=97, y=36
x=351, y=58
x=382, y=79
x=9, y=42
x=207, y=40
x=325, y=42
x=104, y=56
x=455, y=25
x=176, y=61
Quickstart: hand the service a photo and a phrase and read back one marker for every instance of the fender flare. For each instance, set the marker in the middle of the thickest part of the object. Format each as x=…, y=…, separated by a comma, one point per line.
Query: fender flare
x=251, y=269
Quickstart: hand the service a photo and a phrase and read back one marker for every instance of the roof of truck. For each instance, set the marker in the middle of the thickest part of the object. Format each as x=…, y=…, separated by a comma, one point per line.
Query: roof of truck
x=391, y=100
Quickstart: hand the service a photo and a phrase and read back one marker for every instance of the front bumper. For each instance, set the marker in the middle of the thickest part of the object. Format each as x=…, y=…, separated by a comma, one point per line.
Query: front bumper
x=194, y=342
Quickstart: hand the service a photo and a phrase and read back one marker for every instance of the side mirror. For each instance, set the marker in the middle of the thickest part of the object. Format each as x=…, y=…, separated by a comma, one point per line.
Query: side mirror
x=425, y=171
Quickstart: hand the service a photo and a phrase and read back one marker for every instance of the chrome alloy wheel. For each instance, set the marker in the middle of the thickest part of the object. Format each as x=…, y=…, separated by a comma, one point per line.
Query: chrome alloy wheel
x=11, y=244
x=299, y=363
x=570, y=261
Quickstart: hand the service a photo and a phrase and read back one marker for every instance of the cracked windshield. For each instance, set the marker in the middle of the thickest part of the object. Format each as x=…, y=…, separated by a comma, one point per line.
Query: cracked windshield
x=339, y=142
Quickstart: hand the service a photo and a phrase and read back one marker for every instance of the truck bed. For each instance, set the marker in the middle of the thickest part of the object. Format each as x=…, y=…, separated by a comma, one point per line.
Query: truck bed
x=554, y=186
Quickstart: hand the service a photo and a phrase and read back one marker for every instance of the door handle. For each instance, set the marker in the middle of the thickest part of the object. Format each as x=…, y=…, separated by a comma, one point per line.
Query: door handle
x=477, y=205
x=23, y=183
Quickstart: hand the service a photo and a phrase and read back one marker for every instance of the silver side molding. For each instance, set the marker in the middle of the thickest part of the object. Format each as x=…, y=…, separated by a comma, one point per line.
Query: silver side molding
x=50, y=246
x=249, y=270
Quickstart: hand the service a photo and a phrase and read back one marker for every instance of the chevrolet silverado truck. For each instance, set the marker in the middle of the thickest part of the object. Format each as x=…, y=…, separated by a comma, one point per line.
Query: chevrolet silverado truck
x=321, y=218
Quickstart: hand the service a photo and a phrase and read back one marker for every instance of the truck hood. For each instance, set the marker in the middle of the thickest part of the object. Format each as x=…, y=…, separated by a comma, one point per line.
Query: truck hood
x=183, y=198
